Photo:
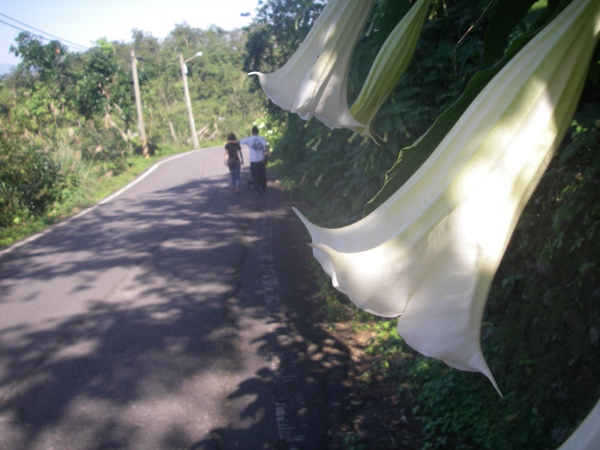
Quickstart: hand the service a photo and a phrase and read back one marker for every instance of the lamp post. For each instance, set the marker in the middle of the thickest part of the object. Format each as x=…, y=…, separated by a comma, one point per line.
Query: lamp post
x=187, y=97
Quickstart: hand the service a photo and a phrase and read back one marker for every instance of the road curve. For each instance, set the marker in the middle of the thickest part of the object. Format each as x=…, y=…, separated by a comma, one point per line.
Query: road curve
x=166, y=317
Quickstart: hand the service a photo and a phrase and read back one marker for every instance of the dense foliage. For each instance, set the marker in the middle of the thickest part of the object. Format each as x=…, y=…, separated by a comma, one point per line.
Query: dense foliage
x=542, y=329
x=69, y=119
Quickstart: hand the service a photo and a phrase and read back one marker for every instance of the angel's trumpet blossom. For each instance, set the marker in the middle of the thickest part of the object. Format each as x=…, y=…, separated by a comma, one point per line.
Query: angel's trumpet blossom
x=390, y=64
x=313, y=82
x=587, y=435
x=428, y=254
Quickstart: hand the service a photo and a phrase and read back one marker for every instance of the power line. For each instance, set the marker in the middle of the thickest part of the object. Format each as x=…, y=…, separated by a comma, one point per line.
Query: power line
x=72, y=44
x=68, y=43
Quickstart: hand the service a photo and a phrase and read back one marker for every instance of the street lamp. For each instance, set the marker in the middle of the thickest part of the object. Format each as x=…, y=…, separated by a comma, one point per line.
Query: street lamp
x=187, y=97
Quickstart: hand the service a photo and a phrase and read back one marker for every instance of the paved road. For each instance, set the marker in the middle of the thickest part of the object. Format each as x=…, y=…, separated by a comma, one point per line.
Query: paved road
x=168, y=317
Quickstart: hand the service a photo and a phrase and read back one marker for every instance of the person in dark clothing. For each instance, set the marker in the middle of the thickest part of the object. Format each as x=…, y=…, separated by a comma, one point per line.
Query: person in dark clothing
x=234, y=160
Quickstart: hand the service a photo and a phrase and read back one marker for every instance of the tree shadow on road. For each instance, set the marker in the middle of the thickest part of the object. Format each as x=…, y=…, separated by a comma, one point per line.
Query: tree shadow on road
x=122, y=369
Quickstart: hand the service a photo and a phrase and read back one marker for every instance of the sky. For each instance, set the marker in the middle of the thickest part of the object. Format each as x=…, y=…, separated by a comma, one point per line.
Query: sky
x=82, y=22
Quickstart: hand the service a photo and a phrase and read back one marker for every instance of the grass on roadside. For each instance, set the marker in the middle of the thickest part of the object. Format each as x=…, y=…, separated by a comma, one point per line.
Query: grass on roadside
x=94, y=190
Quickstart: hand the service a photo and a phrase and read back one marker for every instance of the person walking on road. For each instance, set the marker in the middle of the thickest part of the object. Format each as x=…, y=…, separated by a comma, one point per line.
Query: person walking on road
x=234, y=160
x=259, y=148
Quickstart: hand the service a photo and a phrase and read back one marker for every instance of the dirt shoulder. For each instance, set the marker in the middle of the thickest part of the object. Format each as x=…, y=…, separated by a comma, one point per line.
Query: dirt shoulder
x=360, y=410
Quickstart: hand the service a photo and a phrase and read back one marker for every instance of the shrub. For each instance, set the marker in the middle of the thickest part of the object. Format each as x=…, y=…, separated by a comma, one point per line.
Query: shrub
x=29, y=180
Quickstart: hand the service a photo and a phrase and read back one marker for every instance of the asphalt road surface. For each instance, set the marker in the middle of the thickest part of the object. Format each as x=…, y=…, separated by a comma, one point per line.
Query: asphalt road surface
x=172, y=315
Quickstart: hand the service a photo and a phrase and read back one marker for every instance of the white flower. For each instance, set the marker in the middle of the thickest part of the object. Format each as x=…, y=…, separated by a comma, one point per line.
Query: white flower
x=313, y=81
x=428, y=254
x=390, y=64
x=587, y=435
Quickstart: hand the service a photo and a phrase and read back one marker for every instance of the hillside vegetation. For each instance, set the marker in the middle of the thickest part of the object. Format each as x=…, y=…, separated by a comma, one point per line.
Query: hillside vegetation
x=541, y=332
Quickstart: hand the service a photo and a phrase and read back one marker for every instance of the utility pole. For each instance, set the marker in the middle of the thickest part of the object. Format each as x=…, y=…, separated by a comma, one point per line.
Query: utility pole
x=138, y=104
x=188, y=102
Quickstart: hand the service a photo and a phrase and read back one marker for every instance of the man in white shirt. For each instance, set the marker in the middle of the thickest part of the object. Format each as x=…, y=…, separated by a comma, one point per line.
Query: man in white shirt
x=258, y=149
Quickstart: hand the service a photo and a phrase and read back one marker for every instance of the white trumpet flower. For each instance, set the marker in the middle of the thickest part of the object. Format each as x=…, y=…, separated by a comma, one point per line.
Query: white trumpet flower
x=587, y=435
x=313, y=82
x=428, y=254
x=390, y=64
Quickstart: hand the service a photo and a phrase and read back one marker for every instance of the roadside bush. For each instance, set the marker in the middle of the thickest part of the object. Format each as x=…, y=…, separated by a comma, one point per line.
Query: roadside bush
x=460, y=410
x=106, y=146
x=29, y=181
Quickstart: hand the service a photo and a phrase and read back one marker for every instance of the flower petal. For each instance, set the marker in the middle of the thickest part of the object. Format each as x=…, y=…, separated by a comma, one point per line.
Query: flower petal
x=587, y=435
x=313, y=82
x=431, y=280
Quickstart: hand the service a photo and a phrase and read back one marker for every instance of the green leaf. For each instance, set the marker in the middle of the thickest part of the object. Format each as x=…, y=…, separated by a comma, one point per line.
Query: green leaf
x=508, y=14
